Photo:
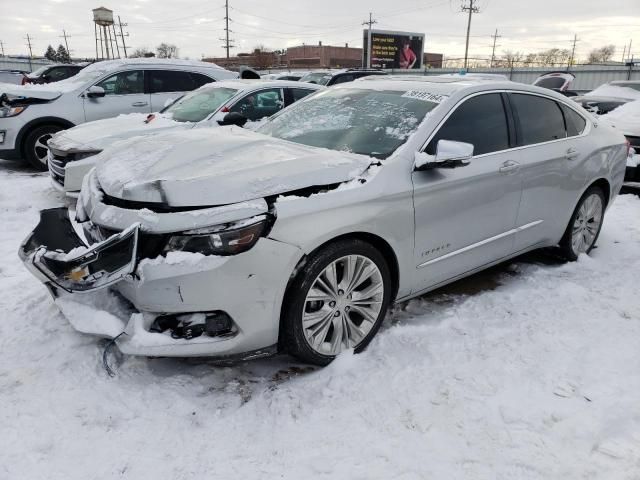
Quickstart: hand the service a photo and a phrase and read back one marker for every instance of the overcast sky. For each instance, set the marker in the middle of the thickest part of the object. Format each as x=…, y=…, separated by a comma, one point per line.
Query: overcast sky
x=196, y=26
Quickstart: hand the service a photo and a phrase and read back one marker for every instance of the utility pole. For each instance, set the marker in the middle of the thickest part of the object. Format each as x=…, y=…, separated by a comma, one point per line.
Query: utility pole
x=493, y=51
x=66, y=44
x=30, y=52
x=471, y=9
x=629, y=51
x=227, y=42
x=368, y=46
x=122, y=35
x=2, y=47
x=624, y=51
x=573, y=52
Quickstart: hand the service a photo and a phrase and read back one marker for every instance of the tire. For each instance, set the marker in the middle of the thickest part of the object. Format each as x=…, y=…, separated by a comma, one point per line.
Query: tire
x=339, y=314
x=584, y=227
x=35, y=150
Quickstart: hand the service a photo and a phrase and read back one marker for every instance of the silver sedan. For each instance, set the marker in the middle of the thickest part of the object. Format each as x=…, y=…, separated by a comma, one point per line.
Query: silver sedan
x=299, y=236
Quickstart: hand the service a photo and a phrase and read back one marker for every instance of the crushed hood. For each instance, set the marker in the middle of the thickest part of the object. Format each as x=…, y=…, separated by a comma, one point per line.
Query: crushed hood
x=29, y=91
x=95, y=136
x=218, y=166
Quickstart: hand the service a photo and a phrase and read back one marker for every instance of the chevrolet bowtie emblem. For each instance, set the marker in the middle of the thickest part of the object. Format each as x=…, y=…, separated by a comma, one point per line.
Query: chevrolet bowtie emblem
x=78, y=274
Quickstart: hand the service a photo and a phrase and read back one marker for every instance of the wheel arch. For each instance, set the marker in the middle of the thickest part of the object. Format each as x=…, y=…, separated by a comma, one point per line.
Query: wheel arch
x=39, y=122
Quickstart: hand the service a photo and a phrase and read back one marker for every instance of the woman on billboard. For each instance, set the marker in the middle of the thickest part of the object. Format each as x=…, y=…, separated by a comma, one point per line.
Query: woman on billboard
x=407, y=57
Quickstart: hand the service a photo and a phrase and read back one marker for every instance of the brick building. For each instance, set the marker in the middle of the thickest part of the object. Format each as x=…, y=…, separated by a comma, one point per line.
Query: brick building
x=323, y=56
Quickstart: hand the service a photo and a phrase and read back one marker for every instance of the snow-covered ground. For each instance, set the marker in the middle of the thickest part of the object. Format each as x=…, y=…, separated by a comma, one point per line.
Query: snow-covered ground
x=529, y=371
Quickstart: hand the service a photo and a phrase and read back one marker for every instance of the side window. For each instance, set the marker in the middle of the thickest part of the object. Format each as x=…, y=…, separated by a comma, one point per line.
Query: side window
x=300, y=93
x=257, y=105
x=123, y=83
x=170, y=81
x=58, y=73
x=481, y=121
x=199, y=79
x=343, y=79
x=540, y=118
x=575, y=122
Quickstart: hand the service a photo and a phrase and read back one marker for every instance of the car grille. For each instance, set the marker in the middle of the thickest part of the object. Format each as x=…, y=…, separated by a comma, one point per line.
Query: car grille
x=57, y=160
x=635, y=142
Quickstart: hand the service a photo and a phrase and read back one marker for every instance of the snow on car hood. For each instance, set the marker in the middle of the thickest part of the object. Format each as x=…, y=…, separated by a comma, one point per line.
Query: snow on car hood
x=625, y=118
x=30, y=91
x=218, y=166
x=100, y=134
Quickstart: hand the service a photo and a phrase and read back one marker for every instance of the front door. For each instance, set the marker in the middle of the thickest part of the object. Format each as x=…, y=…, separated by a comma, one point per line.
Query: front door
x=465, y=217
x=124, y=93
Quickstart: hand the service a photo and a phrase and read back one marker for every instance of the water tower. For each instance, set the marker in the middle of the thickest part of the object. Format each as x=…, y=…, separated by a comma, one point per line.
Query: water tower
x=105, y=33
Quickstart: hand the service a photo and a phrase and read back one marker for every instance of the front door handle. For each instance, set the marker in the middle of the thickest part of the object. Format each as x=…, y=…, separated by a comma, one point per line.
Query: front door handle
x=139, y=104
x=571, y=153
x=509, y=166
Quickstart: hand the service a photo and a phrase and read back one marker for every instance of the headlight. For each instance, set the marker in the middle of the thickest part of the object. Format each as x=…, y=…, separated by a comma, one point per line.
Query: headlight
x=228, y=239
x=11, y=111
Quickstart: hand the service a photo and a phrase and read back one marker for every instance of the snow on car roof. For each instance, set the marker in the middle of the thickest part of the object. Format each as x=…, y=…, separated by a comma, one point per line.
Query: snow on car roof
x=435, y=83
x=248, y=84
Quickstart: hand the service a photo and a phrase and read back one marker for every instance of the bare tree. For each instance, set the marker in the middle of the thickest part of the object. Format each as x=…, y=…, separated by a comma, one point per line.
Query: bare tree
x=510, y=59
x=166, y=50
x=553, y=57
x=602, y=54
x=141, y=52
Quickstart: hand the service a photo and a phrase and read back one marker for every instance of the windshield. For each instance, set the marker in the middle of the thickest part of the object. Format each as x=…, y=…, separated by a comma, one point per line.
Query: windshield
x=39, y=71
x=198, y=105
x=551, y=82
x=369, y=122
x=320, y=78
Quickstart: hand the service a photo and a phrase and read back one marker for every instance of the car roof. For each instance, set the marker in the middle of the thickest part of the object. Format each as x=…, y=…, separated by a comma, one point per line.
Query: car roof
x=254, y=84
x=150, y=62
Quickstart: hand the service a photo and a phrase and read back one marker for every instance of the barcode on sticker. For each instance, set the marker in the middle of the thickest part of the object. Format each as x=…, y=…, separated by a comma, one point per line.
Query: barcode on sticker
x=426, y=96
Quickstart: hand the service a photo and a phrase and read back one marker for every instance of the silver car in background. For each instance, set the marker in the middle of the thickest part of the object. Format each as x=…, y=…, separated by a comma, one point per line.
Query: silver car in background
x=298, y=236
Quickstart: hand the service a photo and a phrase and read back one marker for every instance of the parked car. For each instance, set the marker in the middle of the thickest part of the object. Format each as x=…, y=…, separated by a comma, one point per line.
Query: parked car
x=609, y=96
x=31, y=114
x=72, y=152
x=15, y=77
x=558, y=81
x=333, y=77
x=298, y=236
x=626, y=118
x=52, y=73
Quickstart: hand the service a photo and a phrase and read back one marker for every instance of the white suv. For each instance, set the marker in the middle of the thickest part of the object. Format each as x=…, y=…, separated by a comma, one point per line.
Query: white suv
x=31, y=114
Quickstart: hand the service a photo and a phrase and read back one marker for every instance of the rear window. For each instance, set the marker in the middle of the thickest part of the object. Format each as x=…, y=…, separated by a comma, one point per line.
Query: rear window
x=175, y=81
x=550, y=82
x=540, y=118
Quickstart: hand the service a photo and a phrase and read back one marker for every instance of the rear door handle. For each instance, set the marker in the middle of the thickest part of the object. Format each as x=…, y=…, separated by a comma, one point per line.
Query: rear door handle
x=571, y=153
x=509, y=166
x=139, y=104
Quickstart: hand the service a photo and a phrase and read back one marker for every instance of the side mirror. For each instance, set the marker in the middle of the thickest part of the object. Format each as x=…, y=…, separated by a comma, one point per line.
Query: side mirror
x=95, y=92
x=449, y=154
x=233, y=118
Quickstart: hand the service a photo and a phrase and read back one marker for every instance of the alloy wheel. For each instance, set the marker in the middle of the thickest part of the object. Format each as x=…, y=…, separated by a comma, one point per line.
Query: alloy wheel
x=40, y=148
x=587, y=224
x=343, y=304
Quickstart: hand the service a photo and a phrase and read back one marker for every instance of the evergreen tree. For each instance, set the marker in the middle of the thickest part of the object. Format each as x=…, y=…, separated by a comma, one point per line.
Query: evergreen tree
x=62, y=55
x=50, y=54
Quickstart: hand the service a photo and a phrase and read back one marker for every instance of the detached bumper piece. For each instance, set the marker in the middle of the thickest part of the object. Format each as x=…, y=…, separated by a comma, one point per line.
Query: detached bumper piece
x=57, y=255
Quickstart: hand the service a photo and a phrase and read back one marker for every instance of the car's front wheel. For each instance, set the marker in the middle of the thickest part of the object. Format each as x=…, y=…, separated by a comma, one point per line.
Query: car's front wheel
x=337, y=301
x=35, y=145
x=585, y=224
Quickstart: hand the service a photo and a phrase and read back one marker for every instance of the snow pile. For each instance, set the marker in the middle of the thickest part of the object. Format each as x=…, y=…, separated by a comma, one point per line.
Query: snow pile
x=615, y=91
x=530, y=371
x=626, y=118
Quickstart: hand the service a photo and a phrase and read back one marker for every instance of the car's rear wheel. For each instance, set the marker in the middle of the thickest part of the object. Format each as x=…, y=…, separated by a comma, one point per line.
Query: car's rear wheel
x=337, y=301
x=585, y=224
x=35, y=145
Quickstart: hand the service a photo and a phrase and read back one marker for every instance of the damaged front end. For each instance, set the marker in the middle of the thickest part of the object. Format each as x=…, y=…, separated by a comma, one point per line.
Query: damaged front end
x=56, y=253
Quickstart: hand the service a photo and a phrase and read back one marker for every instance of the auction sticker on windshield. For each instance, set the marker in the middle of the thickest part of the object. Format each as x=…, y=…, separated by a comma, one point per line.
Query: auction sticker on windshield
x=426, y=96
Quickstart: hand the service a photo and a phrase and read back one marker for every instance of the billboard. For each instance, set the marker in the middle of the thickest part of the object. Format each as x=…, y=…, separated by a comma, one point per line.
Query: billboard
x=387, y=49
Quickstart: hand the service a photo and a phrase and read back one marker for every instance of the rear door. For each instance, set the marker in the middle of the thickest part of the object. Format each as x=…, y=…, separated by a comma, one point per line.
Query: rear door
x=124, y=93
x=166, y=85
x=465, y=217
x=551, y=150
x=292, y=95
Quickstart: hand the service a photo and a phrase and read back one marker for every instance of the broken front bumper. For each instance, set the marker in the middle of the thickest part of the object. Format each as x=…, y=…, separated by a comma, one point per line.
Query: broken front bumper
x=56, y=253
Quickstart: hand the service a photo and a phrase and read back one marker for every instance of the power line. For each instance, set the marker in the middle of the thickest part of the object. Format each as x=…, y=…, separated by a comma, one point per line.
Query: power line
x=493, y=51
x=65, y=36
x=122, y=35
x=471, y=9
x=228, y=42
